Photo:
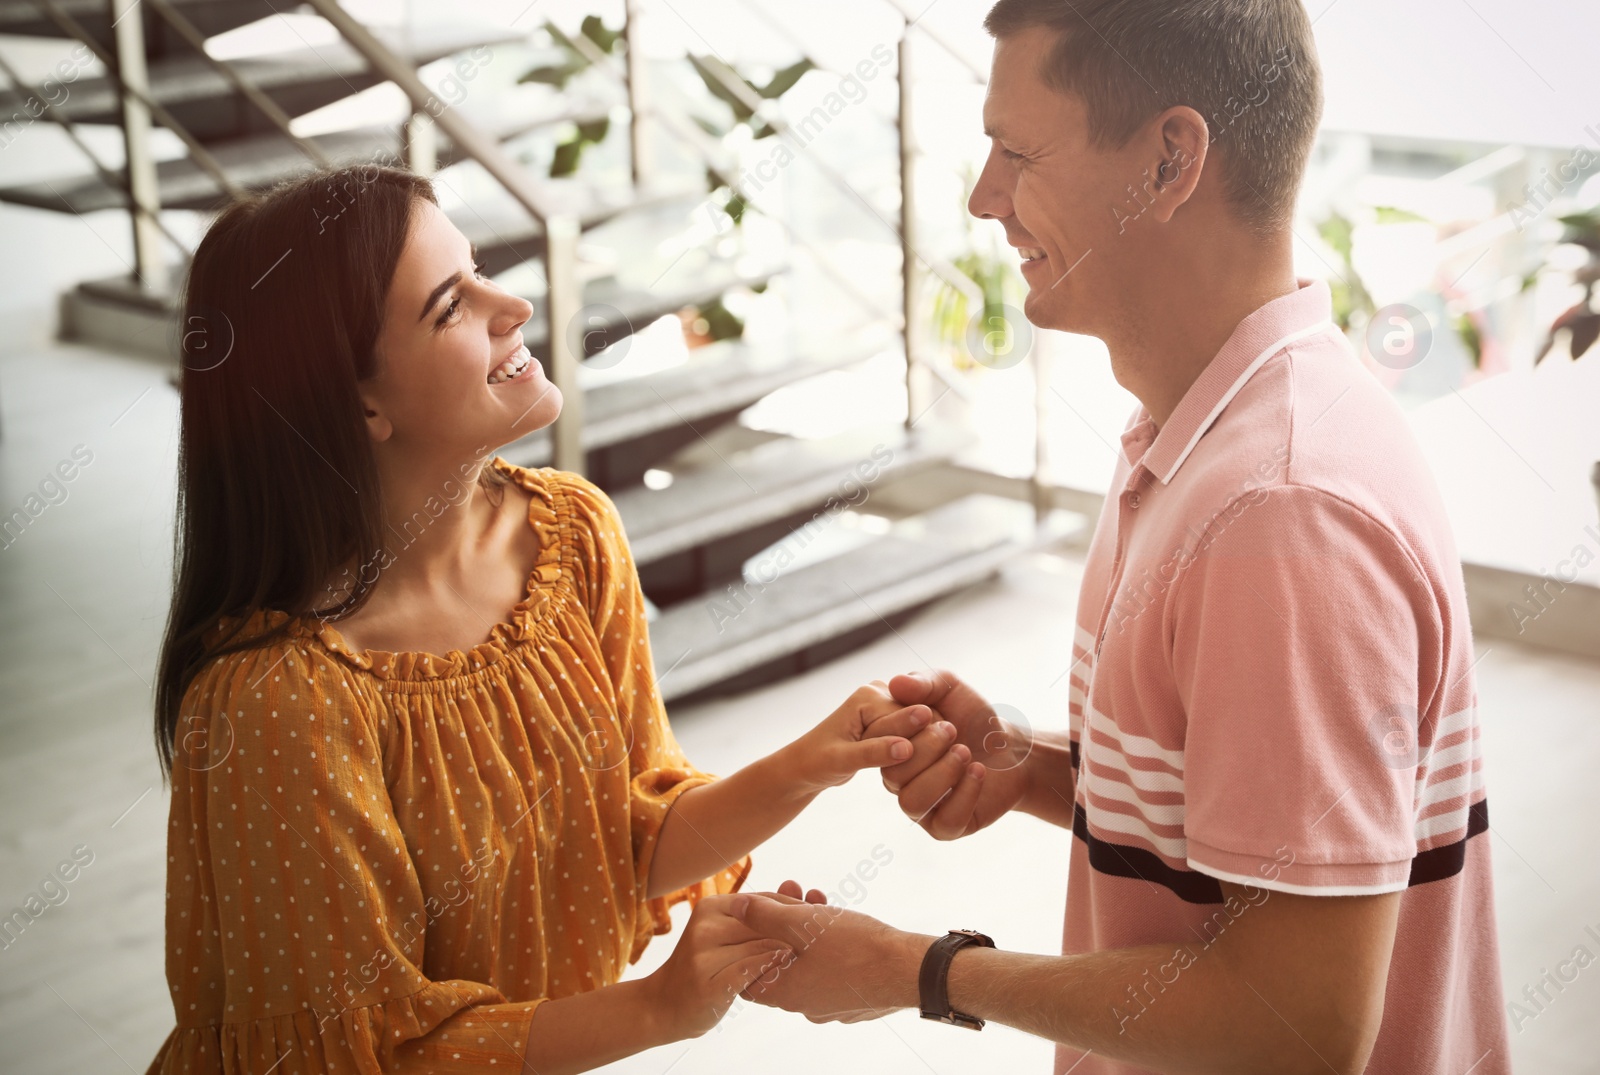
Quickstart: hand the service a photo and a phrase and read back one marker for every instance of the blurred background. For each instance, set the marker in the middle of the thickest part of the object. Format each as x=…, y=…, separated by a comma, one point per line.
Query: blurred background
x=798, y=367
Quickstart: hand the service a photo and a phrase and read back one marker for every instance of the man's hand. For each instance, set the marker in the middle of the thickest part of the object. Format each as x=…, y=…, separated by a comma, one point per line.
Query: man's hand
x=849, y=966
x=965, y=771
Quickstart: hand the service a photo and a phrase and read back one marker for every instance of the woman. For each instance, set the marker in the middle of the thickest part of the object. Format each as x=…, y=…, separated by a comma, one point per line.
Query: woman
x=426, y=804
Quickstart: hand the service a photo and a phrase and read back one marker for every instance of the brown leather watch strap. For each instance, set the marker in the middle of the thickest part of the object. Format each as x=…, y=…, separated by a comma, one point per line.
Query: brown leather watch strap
x=933, y=982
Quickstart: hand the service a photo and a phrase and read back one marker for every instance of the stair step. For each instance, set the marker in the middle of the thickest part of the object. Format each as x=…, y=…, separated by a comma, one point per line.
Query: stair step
x=506, y=235
x=258, y=161
x=718, y=378
x=116, y=313
x=711, y=639
x=780, y=478
x=299, y=80
x=618, y=311
x=210, y=17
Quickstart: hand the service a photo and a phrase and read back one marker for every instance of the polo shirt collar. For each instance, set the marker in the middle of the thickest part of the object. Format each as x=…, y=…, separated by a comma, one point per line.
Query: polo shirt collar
x=1303, y=312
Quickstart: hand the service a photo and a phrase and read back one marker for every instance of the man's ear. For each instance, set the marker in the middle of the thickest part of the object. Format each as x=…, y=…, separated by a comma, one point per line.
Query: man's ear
x=1184, y=141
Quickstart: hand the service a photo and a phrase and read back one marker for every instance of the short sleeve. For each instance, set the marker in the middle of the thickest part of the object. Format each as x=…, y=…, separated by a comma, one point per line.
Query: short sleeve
x=296, y=924
x=658, y=770
x=1299, y=629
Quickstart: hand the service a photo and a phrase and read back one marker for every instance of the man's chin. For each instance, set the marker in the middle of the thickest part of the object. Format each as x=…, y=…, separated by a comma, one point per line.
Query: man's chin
x=1044, y=308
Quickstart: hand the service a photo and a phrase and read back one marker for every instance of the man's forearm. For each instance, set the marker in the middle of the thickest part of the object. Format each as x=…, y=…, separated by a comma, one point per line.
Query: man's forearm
x=1051, y=784
x=1166, y=1007
x=716, y=824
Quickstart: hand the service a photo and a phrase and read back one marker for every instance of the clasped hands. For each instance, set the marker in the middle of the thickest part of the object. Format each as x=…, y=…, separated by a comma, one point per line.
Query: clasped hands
x=966, y=770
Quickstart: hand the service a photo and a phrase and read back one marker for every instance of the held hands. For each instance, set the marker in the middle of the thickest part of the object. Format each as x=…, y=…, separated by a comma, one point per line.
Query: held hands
x=849, y=967
x=716, y=959
x=835, y=750
x=965, y=771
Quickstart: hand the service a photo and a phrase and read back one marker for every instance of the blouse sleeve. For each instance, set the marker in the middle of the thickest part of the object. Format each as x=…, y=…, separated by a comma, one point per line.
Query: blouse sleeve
x=295, y=920
x=658, y=770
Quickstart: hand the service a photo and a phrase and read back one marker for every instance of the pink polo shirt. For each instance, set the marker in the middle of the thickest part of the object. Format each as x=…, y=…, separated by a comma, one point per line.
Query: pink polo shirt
x=1273, y=686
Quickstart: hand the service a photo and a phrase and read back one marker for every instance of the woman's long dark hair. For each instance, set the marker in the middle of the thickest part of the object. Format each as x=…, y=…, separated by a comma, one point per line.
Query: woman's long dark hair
x=277, y=484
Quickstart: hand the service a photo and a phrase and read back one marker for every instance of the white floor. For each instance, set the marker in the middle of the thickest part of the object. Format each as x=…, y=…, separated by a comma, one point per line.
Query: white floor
x=82, y=989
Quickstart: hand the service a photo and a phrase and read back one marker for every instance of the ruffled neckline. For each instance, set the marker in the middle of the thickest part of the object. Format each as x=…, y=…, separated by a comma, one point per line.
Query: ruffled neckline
x=551, y=528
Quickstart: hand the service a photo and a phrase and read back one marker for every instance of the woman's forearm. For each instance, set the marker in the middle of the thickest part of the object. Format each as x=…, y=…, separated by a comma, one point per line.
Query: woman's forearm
x=588, y=1030
x=715, y=825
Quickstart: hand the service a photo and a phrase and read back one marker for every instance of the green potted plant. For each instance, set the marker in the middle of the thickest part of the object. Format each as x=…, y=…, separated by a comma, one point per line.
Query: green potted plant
x=994, y=275
x=1580, y=323
x=569, y=150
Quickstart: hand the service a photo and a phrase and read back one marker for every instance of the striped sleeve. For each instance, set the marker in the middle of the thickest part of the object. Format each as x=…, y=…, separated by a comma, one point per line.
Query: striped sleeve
x=1306, y=644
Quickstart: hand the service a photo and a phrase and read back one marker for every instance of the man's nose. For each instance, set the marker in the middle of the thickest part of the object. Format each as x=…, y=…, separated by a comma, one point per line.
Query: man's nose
x=990, y=200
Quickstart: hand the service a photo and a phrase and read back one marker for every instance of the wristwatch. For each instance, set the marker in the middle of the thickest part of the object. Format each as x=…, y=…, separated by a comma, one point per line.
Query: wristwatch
x=934, y=980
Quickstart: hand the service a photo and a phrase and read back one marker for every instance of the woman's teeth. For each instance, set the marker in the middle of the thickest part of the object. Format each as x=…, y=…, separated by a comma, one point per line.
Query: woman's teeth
x=511, y=367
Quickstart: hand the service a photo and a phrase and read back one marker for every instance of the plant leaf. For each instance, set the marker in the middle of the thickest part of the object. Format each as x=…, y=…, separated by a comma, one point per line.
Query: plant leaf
x=565, y=161
x=784, y=80
x=720, y=321
x=709, y=68
x=1467, y=329
x=1335, y=231
x=709, y=127
x=596, y=31
x=1389, y=214
x=1582, y=228
x=1584, y=332
x=553, y=75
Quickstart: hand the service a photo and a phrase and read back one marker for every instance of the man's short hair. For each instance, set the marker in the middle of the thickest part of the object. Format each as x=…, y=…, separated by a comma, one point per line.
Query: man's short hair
x=1248, y=66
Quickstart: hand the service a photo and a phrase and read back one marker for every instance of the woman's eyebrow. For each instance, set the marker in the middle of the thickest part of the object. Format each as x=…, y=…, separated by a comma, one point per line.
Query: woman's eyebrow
x=434, y=296
x=449, y=282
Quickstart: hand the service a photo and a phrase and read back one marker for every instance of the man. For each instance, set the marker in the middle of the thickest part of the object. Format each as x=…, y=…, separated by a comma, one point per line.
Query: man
x=1272, y=774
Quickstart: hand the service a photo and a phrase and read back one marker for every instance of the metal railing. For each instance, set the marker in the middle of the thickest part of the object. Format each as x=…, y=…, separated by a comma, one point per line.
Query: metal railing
x=561, y=230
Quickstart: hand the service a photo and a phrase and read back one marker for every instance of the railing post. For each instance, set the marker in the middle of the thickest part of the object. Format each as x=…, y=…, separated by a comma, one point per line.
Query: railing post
x=144, y=195
x=910, y=279
x=1039, y=355
x=562, y=302
x=420, y=135
x=639, y=152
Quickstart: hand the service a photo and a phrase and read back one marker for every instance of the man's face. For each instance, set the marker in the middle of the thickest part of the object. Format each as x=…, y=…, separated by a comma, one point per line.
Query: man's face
x=1052, y=191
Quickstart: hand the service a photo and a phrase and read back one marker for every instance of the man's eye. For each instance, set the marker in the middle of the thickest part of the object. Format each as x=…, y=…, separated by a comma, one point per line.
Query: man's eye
x=1010, y=156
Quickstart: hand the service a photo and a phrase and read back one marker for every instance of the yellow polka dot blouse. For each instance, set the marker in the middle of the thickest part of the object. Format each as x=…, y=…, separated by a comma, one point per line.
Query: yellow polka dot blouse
x=386, y=861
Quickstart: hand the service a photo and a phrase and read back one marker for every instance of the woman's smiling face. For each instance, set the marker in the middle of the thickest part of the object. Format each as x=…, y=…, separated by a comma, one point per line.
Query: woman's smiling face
x=449, y=339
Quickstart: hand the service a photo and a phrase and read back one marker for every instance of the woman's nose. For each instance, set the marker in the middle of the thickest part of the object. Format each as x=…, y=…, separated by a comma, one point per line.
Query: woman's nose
x=516, y=311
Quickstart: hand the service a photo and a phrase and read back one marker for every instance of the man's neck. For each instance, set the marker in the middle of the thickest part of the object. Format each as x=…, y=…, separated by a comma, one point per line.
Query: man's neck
x=1186, y=310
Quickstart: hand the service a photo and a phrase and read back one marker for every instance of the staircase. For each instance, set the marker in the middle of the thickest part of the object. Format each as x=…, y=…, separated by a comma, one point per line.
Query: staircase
x=761, y=552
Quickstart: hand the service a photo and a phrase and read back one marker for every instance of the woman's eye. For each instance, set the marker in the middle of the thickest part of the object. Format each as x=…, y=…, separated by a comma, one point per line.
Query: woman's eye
x=449, y=311
x=477, y=269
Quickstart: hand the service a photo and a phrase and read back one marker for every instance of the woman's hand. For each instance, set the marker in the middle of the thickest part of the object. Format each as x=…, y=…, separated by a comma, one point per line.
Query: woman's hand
x=838, y=748
x=716, y=959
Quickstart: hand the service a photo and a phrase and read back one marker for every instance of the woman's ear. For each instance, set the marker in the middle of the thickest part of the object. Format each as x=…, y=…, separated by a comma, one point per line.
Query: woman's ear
x=379, y=428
